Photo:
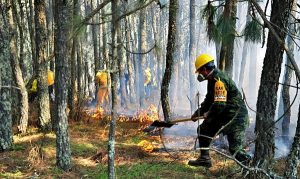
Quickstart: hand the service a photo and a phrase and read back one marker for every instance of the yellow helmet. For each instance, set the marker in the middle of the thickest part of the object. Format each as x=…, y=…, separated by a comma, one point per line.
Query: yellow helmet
x=101, y=78
x=202, y=60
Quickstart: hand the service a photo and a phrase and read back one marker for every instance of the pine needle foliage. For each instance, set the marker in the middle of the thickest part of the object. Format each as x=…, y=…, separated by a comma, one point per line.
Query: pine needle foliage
x=208, y=14
x=253, y=31
x=226, y=29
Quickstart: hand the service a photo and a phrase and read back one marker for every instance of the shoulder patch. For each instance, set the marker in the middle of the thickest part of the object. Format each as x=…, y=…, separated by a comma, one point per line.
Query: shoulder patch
x=220, y=92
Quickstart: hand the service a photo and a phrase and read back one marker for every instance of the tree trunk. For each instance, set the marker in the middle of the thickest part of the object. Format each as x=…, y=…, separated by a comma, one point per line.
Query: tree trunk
x=227, y=48
x=130, y=62
x=243, y=64
x=121, y=62
x=29, y=14
x=80, y=65
x=287, y=79
x=95, y=48
x=192, y=54
x=292, y=163
x=244, y=55
x=105, y=50
x=72, y=95
x=252, y=78
x=17, y=72
x=140, y=61
x=113, y=67
x=21, y=28
x=169, y=60
x=63, y=151
x=6, y=135
x=267, y=95
x=100, y=50
x=41, y=43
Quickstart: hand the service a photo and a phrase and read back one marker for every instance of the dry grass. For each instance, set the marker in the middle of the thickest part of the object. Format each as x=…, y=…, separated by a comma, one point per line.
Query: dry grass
x=34, y=155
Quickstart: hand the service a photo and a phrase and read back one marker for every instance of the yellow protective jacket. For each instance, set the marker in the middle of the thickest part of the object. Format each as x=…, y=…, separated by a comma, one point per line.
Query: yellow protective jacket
x=101, y=78
x=50, y=79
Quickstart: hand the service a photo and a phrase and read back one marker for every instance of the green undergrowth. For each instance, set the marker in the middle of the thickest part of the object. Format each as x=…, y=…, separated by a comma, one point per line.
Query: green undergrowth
x=154, y=170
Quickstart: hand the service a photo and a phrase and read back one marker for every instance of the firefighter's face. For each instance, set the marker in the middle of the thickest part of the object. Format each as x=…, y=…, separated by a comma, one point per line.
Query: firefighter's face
x=202, y=74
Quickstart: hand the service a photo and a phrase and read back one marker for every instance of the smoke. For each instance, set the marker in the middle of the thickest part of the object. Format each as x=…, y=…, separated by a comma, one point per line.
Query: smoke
x=181, y=136
x=282, y=146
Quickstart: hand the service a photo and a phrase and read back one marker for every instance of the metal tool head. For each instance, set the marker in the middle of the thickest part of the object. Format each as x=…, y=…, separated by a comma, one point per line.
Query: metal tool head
x=161, y=124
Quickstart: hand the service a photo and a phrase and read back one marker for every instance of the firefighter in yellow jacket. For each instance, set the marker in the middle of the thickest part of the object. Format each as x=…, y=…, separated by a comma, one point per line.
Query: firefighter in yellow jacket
x=34, y=87
x=147, y=82
x=103, y=93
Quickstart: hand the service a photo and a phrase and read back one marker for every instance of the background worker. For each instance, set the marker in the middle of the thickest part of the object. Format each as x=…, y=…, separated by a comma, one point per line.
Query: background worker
x=34, y=87
x=102, y=94
x=147, y=82
x=223, y=106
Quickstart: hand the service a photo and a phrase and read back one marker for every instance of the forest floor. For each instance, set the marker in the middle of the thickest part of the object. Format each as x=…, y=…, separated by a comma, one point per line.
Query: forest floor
x=138, y=154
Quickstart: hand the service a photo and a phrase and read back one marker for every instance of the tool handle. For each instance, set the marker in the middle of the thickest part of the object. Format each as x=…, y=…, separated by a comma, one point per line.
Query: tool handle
x=184, y=119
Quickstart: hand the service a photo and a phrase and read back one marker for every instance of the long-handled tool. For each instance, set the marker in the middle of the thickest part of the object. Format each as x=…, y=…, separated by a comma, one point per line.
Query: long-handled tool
x=171, y=123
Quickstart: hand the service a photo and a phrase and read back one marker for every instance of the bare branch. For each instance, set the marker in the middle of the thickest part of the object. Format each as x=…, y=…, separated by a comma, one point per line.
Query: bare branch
x=284, y=46
x=135, y=9
x=139, y=52
x=14, y=87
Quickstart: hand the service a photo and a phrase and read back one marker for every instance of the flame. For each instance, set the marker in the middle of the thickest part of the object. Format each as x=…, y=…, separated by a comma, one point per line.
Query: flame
x=142, y=116
x=98, y=113
x=146, y=146
x=148, y=115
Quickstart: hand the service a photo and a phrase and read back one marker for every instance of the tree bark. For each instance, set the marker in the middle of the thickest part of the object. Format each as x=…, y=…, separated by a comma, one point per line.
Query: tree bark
x=95, y=48
x=227, y=47
x=292, y=163
x=121, y=61
x=169, y=60
x=192, y=53
x=41, y=43
x=287, y=79
x=31, y=28
x=267, y=97
x=113, y=74
x=21, y=27
x=73, y=92
x=130, y=61
x=244, y=54
x=63, y=151
x=17, y=72
x=6, y=135
x=80, y=89
x=140, y=61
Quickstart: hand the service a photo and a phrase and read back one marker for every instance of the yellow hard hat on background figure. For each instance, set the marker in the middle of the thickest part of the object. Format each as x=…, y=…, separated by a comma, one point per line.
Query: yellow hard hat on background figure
x=202, y=60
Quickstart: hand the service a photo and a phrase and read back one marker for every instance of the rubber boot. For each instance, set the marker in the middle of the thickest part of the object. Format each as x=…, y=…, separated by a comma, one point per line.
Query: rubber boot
x=203, y=160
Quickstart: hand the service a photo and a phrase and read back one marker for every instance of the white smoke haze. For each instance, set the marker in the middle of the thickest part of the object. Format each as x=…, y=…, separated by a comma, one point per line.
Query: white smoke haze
x=180, y=105
x=184, y=134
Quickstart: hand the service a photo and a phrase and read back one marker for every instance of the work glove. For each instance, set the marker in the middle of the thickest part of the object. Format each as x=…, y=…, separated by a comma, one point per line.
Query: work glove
x=205, y=115
x=195, y=115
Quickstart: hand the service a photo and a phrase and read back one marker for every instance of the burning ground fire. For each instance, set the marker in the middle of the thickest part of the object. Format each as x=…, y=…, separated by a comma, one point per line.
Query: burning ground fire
x=146, y=146
x=143, y=116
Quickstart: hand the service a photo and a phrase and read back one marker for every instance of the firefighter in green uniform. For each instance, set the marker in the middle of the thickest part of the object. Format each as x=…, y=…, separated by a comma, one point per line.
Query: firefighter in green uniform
x=223, y=106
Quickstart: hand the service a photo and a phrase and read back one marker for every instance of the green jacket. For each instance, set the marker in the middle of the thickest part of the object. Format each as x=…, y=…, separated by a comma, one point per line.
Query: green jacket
x=225, y=106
